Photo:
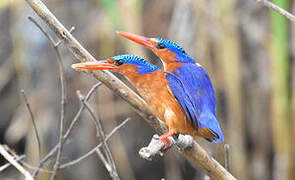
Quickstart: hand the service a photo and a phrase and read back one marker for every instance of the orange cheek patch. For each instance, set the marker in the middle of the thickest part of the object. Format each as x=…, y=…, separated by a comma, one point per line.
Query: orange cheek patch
x=168, y=59
x=166, y=55
x=129, y=70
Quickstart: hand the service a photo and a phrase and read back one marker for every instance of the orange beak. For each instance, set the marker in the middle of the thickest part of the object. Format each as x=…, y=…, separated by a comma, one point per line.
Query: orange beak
x=136, y=38
x=94, y=65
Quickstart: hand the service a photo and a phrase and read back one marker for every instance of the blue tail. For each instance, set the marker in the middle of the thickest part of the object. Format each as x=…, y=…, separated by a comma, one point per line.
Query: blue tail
x=209, y=120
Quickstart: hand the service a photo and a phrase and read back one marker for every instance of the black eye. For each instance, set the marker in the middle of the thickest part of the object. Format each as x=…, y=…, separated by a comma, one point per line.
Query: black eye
x=183, y=51
x=119, y=62
x=161, y=46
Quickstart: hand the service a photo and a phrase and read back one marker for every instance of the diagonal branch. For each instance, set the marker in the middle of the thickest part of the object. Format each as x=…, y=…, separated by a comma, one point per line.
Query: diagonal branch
x=33, y=121
x=196, y=154
x=71, y=163
x=9, y=158
x=274, y=7
x=19, y=158
x=109, y=162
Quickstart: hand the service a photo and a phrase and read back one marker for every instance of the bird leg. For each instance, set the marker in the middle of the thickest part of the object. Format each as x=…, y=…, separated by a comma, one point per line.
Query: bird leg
x=165, y=139
x=156, y=146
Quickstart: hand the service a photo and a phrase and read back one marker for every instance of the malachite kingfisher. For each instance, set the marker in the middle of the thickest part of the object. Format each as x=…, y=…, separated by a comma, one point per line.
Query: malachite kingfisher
x=200, y=105
x=152, y=84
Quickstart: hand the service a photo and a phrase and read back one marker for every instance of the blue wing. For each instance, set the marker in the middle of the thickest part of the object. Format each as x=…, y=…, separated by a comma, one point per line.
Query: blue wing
x=183, y=97
x=199, y=90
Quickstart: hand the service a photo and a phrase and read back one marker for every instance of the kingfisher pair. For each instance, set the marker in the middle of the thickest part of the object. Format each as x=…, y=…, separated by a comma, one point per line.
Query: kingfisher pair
x=182, y=96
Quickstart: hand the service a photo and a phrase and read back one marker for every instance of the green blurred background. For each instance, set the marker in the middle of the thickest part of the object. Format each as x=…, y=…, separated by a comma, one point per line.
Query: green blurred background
x=248, y=51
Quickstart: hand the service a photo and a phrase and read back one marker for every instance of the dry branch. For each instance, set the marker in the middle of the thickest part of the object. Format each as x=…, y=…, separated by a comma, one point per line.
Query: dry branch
x=19, y=158
x=109, y=162
x=67, y=134
x=274, y=7
x=33, y=121
x=89, y=109
x=71, y=163
x=226, y=157
x=63, y=96
x=29, y=166
x=196, y=154
x=11, y=159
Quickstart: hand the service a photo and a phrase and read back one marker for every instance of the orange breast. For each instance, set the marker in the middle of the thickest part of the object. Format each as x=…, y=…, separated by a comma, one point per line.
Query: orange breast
x=153, y=87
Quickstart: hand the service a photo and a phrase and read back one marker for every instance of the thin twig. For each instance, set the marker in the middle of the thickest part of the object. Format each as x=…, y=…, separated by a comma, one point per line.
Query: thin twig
x=96, y=147
x=89, y=94
x=110, y=160
x=43, y=31
x=19, y=158
x=33, y=121
x=63, y=95
x=274, y=7
x=62, y=113
x=25, y=164
x=226, y=157
x=100, y=132
x=89, y=109
x=104, y=161
x=67, y=134
x=11, y=159
x=52, y=41
x=34, y=168
x=71, y=31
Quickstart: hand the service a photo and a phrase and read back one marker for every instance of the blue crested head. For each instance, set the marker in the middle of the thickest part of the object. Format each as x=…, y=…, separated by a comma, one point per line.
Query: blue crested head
x=142, y=65
x=160, y=47
x=181, y=55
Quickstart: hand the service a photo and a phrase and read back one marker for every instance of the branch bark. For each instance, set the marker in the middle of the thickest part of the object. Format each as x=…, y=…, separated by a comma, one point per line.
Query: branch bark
x=281, y=11
x=197, y=155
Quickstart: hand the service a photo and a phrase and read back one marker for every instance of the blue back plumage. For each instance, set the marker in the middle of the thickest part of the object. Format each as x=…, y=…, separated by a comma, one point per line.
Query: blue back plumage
x=193, y=89
x=199, y=86
x=200, y=99
x=143, y=66
x=179, y=51
x=184, y=98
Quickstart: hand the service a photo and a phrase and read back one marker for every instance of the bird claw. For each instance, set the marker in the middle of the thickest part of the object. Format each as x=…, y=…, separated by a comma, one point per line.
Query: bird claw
x=158, y=146
x=167, y=139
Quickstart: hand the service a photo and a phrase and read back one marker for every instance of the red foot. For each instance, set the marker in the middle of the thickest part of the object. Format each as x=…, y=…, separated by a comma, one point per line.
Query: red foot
x=165, y=139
